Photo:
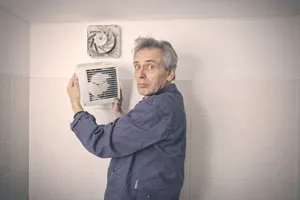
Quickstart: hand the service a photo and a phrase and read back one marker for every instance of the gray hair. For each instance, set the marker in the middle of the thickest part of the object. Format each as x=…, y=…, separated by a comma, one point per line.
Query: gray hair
x=169, y=55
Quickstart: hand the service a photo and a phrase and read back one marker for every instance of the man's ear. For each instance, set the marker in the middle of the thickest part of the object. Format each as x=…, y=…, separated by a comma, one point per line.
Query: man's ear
x=171, y=75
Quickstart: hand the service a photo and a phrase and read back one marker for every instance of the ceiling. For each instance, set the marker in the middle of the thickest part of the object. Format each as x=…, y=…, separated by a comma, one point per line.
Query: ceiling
x=35, y=11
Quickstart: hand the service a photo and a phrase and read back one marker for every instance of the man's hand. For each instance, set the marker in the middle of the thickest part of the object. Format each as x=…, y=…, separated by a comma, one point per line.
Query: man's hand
x=117, y=106
x=74, y=95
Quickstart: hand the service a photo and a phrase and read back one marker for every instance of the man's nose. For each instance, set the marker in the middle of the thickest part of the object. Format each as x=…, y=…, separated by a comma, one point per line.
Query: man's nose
x=141, y=73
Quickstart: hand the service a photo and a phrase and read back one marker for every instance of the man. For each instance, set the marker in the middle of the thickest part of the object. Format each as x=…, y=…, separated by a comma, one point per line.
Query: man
x=147, y=145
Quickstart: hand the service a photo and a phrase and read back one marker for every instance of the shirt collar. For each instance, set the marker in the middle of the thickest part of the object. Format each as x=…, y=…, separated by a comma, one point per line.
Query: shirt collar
x=170, y=88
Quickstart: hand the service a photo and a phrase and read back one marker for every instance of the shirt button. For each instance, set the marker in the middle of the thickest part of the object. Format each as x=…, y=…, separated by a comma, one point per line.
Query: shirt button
x=149, y=196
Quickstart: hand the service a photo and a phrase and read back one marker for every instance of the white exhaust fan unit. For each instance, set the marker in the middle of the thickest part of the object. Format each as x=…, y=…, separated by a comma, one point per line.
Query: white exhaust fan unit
x=98, y=83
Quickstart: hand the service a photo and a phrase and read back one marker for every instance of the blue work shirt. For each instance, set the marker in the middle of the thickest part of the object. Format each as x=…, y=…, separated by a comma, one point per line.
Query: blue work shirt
x=147, y=147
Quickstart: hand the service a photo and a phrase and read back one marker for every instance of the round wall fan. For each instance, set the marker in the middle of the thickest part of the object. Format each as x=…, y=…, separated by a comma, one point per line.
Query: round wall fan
x=103, y=40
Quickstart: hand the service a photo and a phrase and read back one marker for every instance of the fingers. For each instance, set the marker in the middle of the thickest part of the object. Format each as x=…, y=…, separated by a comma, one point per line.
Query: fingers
x=75, y=80
x=116, y=100
x=119, y=100
x=71, y=82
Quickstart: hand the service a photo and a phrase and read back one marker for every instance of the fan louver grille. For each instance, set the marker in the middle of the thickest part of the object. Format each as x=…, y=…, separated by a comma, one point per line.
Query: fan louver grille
x=102, y=83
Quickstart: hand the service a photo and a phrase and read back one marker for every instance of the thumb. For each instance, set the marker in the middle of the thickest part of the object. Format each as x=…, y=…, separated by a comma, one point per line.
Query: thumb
x=75, y=80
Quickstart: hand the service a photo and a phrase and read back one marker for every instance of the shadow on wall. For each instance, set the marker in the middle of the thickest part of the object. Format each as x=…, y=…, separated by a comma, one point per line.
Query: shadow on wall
x=198, y=162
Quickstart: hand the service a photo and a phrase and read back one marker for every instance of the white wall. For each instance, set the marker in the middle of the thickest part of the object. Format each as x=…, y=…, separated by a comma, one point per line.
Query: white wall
x=240, y=82
x=297, y=33
x=14, y=107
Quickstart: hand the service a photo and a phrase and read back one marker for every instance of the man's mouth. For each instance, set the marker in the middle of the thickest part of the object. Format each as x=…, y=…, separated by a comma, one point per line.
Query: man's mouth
x=142, y=85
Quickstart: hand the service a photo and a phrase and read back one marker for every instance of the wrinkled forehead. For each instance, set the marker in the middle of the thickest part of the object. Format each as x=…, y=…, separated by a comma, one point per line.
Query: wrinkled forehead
x=148, y=55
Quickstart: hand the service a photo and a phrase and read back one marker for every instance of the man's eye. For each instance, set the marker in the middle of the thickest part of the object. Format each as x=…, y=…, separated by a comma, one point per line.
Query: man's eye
x=137, y=67
x=150, y=66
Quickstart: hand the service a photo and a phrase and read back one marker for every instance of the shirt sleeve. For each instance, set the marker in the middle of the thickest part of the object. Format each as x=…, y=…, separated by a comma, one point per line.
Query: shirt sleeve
x=141, y=127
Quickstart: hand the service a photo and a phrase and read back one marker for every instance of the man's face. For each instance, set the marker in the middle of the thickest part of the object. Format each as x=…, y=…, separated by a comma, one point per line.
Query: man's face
x=150, y=72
